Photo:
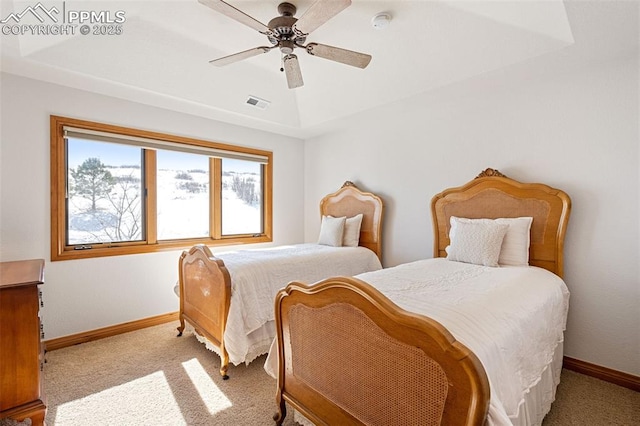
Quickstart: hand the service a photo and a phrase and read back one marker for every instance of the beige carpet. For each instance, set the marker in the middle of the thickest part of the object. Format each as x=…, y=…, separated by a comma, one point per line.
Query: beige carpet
x=151, y=377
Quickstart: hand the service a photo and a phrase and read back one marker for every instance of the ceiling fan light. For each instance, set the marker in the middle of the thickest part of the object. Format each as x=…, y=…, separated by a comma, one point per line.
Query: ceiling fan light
x=286, y=47
x=292, y=71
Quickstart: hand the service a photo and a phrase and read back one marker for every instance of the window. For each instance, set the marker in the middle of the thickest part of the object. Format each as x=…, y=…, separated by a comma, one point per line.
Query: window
x=117, y=190
x=183, y=195
x=241, y=197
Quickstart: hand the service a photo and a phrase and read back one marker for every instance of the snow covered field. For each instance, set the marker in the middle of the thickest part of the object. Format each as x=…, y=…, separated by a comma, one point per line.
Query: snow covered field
x=183, y=208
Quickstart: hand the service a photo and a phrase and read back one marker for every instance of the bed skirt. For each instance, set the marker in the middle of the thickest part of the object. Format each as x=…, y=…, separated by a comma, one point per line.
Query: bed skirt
x=259, y=342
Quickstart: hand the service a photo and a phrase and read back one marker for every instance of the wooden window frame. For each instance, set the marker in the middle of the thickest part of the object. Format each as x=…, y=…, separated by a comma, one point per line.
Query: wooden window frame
x=150, y=244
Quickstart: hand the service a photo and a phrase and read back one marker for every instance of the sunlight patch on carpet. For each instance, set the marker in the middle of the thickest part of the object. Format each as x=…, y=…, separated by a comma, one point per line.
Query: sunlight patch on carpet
x=212, y=397
x=147, y=400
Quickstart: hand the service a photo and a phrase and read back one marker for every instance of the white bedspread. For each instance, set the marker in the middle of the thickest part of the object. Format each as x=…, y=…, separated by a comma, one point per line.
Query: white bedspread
x=257, y=275
x=512, y=318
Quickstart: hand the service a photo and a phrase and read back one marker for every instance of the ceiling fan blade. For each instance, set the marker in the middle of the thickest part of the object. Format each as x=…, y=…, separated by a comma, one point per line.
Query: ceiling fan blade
x=292, y=71
x=349, y=57
x=319, y=13
x=226, y=60
x=238, y=15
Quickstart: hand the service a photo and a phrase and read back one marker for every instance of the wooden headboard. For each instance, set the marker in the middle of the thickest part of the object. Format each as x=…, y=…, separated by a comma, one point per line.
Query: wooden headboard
x=492, y=195
x=349, y=201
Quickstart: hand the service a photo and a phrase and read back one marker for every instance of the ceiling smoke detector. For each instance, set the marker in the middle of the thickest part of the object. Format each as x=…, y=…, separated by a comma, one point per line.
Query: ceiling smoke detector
x=381, y=21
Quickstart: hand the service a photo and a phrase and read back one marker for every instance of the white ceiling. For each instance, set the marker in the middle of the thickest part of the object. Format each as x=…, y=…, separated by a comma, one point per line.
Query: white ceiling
x=161, y=58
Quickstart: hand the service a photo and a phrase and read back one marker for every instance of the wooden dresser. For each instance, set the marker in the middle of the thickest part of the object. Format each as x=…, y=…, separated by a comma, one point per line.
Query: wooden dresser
x=21, y=349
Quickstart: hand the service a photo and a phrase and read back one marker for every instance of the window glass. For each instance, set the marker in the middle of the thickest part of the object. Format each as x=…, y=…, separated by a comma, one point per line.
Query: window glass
x=183, y=195
x=241, y=197
x=104, y=192
x=118, y=191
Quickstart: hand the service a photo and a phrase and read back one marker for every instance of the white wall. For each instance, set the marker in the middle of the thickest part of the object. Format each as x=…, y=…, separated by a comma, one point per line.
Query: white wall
x=83, y=295
x=569, y=120
x=564, y=122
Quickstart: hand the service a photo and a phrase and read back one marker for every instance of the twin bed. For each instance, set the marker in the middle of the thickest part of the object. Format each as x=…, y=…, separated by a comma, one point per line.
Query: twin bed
x=228, y=298
x=472, y=336
x=437, y=341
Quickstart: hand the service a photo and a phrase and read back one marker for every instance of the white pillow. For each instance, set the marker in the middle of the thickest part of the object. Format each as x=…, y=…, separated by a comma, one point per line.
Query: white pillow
x=476, y=242
x=515, y=246
x=351, y=236
x=331, y=231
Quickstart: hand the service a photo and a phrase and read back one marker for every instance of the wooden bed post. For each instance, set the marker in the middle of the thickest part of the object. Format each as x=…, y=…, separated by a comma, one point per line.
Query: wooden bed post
x=205, y=301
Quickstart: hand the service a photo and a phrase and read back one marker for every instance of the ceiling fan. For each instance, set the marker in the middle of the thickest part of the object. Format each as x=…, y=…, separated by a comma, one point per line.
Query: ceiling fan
x=286, y=33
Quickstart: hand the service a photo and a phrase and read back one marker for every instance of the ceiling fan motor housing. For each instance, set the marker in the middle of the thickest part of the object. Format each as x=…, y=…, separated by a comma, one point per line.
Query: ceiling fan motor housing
x=286, y=9
x=285, y=38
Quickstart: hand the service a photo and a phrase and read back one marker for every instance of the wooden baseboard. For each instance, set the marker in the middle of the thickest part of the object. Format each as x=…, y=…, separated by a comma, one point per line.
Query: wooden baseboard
x=603, y=373
x=101, y=333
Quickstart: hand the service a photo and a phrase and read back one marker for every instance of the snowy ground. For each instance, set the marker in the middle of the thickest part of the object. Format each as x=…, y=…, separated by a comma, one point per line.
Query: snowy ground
x=182, y=213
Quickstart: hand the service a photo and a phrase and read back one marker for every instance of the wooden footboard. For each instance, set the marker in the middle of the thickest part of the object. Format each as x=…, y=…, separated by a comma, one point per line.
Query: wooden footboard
x=348, y=355
x=205, y=296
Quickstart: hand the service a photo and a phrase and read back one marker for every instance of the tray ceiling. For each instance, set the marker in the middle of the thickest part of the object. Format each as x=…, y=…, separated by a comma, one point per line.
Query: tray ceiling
x=162, y=56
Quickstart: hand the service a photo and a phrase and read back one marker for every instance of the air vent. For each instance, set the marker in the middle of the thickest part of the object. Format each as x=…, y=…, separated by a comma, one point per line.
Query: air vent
x=257, y=102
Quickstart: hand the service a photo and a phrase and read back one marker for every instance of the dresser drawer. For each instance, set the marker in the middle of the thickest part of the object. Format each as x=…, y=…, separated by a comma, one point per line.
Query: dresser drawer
x=21, y=332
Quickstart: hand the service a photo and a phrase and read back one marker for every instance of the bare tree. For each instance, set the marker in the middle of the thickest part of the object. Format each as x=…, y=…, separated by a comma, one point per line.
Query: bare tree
x=120, y=218
x=126, y=205
x=245, y=189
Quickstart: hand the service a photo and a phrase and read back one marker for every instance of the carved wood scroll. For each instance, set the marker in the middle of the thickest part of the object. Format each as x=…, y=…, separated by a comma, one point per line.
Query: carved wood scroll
x=490, y=172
